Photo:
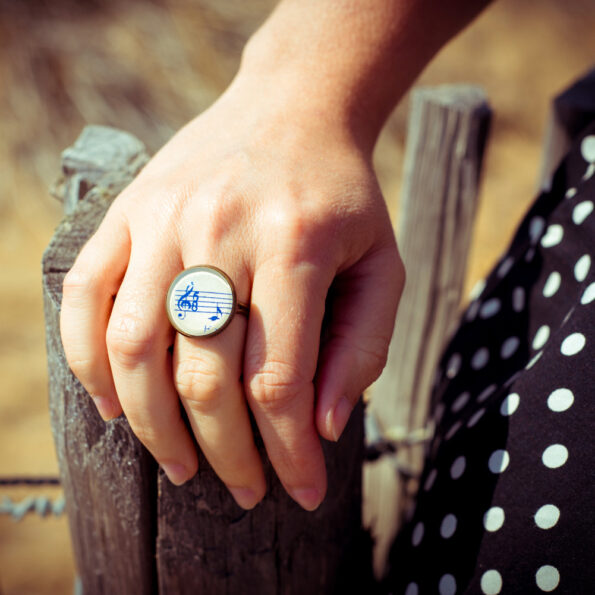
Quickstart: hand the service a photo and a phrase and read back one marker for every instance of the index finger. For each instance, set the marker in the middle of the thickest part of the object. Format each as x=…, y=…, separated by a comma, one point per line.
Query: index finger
x=279, y=366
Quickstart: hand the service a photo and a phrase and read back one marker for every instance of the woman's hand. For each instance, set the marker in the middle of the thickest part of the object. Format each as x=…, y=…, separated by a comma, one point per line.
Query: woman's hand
x=286, y=203
x=274, y=186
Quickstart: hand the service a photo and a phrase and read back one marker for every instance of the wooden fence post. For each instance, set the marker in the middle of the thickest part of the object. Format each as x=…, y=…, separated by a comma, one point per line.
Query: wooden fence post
x=447, y=133
x=108, y=478
x=133, y=531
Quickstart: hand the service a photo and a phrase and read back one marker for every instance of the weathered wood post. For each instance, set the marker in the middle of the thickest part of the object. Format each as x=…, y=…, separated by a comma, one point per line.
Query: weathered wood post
x=133, y=531
x=108, y=478
x=447, y=134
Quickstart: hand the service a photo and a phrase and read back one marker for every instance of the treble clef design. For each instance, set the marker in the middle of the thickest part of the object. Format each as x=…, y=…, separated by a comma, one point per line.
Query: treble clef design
x=184, y=304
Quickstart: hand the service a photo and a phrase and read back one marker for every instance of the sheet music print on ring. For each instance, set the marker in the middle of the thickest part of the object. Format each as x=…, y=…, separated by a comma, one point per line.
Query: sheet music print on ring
x=201, y=301
x=212, y=303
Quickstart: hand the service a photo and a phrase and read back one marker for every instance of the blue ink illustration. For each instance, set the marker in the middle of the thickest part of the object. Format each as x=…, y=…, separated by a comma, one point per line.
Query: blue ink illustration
x=210, y=304
x=183, y=303
x=218, y=315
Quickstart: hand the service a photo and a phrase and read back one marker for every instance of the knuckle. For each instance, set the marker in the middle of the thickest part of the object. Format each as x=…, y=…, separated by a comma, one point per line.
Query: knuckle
x=371, y=350
x=77, y=283
x=294, y=228
x=128, y=341
x=200, y=381
x=375, y=356
x=375, y=352
x=147, y=434
x=82, y=367
x=276, y=385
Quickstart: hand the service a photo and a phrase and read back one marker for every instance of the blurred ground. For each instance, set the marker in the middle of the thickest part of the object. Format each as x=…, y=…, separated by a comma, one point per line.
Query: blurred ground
x=148, y=67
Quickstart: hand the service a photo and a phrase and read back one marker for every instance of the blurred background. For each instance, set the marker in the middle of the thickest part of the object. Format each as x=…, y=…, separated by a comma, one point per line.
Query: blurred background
x=148, y=67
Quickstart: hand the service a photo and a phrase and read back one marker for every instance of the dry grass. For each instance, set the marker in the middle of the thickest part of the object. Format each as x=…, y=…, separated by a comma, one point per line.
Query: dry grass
x=148, y=67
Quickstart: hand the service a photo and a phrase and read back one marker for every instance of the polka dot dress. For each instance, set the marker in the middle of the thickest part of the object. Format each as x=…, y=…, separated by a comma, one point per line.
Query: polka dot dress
x=507, y=498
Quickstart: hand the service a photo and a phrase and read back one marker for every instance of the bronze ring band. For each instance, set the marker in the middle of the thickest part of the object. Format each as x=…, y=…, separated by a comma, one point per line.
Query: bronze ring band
x=242, y=308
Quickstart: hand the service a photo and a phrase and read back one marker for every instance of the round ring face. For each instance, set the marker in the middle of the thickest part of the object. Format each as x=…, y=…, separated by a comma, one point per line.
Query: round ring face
x=201, y=301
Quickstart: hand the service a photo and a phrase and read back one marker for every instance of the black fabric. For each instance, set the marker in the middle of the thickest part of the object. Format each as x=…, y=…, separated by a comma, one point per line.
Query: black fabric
x=507, y=498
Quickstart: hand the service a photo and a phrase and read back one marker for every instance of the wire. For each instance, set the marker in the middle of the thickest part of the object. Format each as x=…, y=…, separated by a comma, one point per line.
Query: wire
x=29, y=481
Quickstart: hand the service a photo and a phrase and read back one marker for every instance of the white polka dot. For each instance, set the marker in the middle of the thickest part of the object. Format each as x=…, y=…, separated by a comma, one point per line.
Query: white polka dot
x=480, y=358
x=582, y=211
x=581, y=268
x=460, y=402
x=555, y=456
x=486, y=392
x=491, y=582
x=448, y=526
x=477, y=289
x=454, y=365
x=547, y=578
x=499, y=461
x=552, y=284
x=530, y=254
x=412, y=589
x=541, y=337
x=490, y=308
x=547, y=516
x=560, y=400
x=589, y=295
x=573, y=344
x=458, y=467
x=493, y=519
x=590, y=171
x=475, y=418
x=553, y=236
x=536, y=227
x=534, y=360
x=570, y=193
x=430, y=480
x=453, y=430
x=472, y=311
x=588, y=148
x=447, y=585
x=505, y=267
x=417, y=535
x=509, y=347
x=518, y=299
x=510, y=404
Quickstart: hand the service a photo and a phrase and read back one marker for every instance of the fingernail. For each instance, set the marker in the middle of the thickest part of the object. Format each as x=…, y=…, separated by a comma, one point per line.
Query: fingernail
x=245, y=497
x=175, y=472
x=104, y=407
x=341, y=414
x=308, y=498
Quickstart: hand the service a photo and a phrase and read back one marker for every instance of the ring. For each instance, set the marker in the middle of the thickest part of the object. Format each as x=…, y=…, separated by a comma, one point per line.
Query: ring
x=201, y=301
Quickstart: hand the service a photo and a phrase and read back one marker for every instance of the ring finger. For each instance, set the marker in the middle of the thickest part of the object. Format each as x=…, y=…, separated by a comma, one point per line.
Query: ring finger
x=207, y=374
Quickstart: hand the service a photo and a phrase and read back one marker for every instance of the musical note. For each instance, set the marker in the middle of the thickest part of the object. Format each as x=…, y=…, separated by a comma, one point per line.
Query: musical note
x=217, y=315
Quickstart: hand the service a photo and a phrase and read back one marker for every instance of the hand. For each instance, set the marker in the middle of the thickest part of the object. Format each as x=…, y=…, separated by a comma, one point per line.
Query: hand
x=285, y=201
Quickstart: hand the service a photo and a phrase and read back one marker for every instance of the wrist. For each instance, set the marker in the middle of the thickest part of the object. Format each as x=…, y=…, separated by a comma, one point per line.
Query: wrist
x=349, y=63
x=314, y=85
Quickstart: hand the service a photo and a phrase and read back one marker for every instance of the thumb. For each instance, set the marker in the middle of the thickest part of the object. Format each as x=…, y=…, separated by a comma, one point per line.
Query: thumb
x=361, y=310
